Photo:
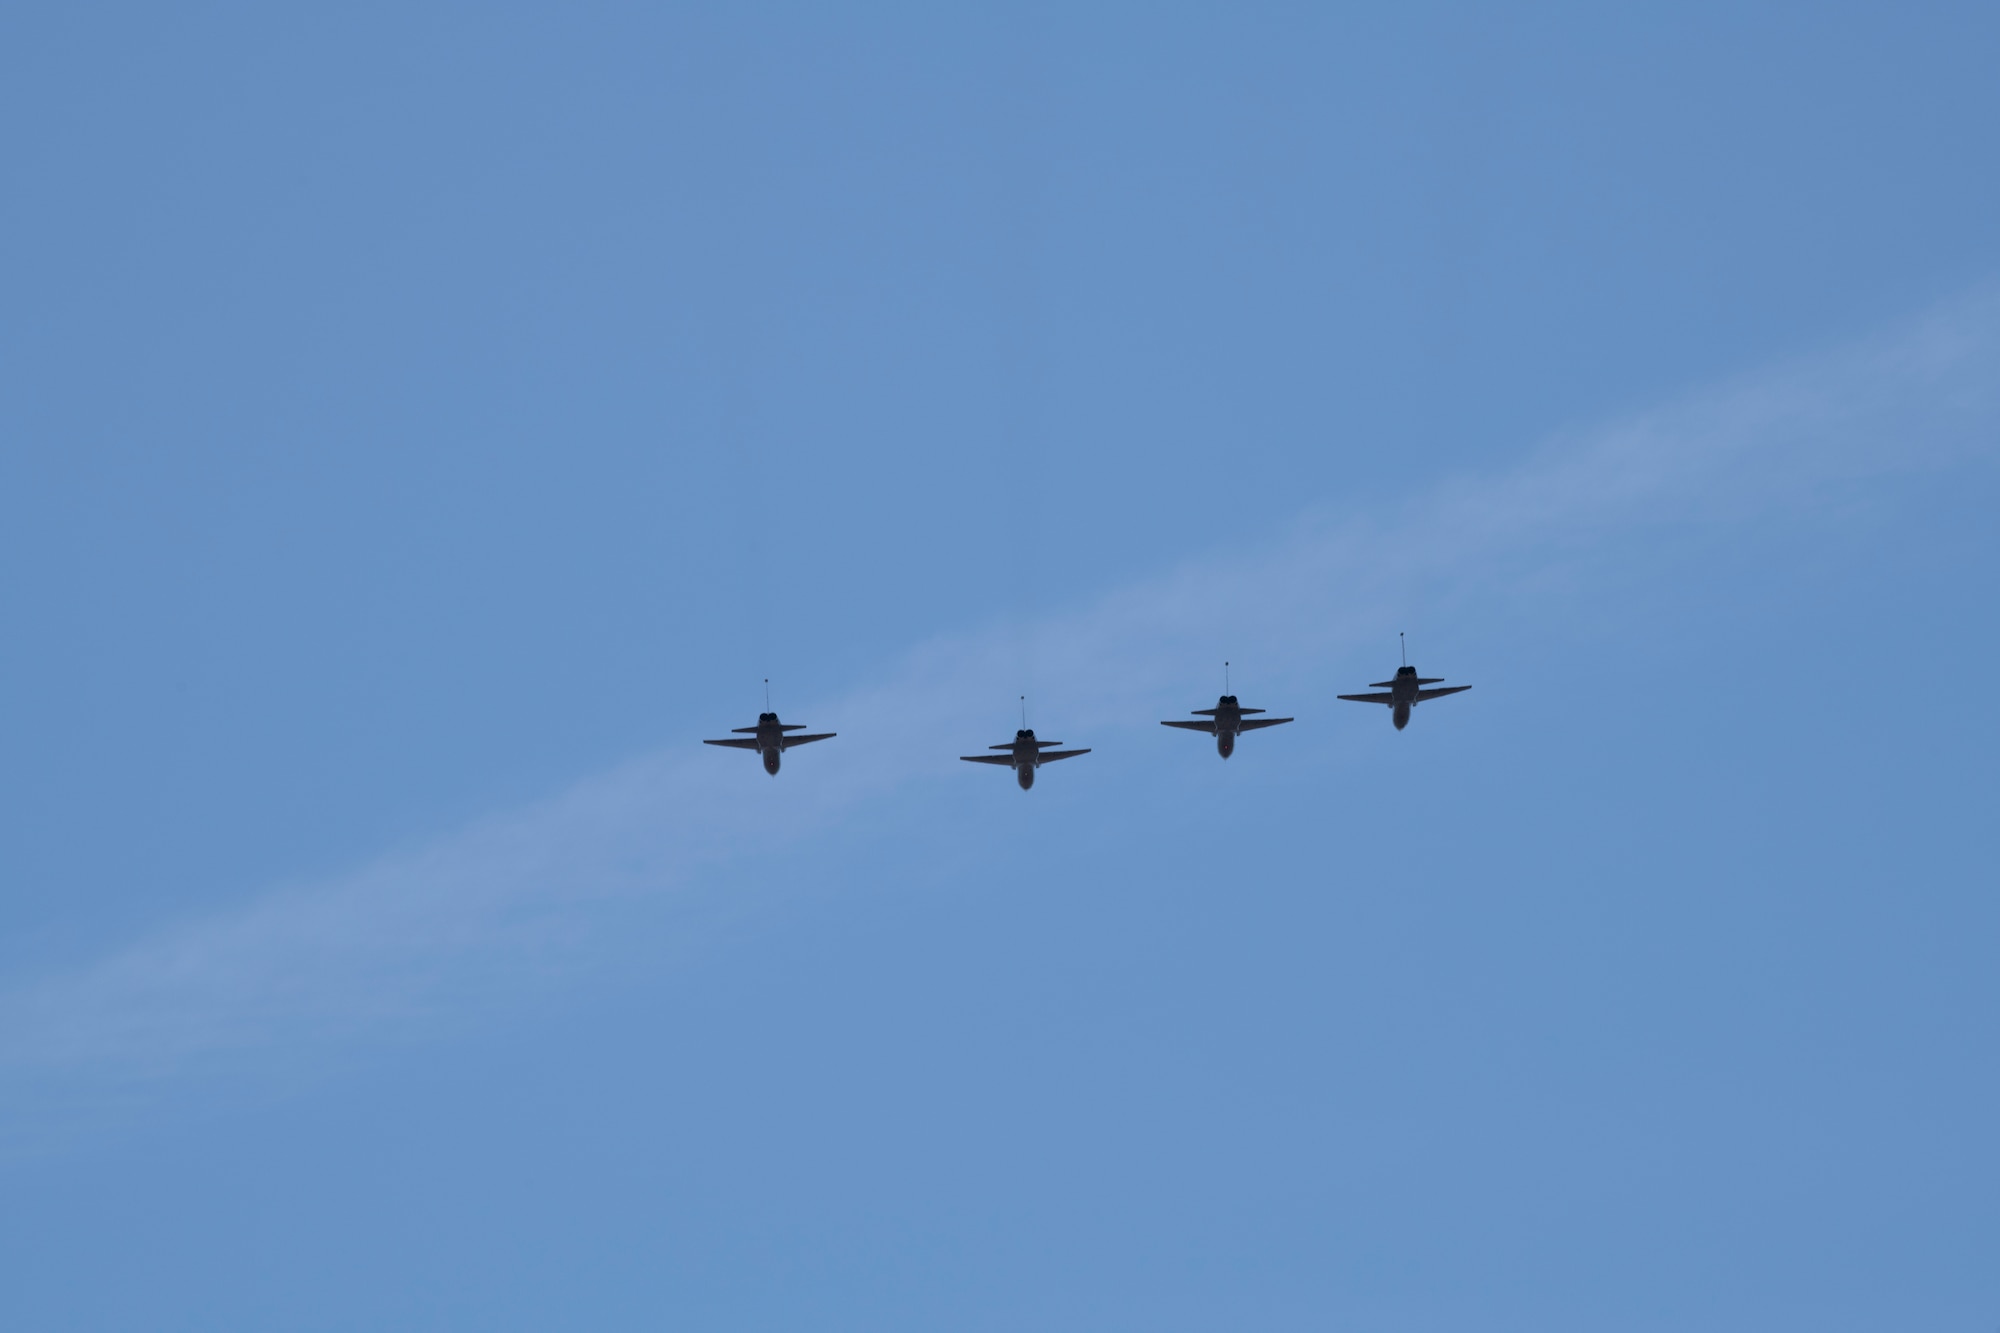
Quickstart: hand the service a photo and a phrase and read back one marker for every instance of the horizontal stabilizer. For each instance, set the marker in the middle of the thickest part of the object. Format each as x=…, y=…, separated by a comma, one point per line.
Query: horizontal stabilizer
x=1208, y=727
x=1053, y=755
x=1263, y=722
x=743, y=729
x=1383, y=698
x=1006, y=759
x=734, y=745
x=1249, y=710
x=1380, y=684
x=1439, y=694
x=1429, y=680
x=787, y=742
x=791, y=726
x=1203, y=712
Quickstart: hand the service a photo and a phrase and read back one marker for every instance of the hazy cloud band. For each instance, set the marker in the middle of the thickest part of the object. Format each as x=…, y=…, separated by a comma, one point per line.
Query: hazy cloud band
x=418, y=934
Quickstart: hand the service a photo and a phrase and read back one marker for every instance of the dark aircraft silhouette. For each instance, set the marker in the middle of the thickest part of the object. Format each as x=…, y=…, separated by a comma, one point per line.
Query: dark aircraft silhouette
x=1024, y=755
x=1228, y=719
x=1405, y=692
x=769, y=738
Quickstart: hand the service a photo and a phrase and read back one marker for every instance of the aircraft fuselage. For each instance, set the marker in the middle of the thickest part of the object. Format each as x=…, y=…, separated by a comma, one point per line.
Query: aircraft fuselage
x=770, y=742
x=1228, y=721
x=1403, y=696
x=1027, y=757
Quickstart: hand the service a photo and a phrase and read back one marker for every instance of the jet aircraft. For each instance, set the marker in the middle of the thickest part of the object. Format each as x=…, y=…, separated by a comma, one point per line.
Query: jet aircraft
x=1227, y=719
x=768, y=737
x=1405, y=692
x=1024, y=755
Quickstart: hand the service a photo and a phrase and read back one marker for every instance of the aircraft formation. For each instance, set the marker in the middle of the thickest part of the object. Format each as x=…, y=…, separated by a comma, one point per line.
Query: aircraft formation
x=1025, y=754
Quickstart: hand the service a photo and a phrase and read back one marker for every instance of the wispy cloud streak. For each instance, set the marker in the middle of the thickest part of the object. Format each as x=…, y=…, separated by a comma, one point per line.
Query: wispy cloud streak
x=417, y=934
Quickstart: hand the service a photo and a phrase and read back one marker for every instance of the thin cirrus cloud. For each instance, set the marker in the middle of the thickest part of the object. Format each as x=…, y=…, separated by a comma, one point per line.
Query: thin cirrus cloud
x=422, y=936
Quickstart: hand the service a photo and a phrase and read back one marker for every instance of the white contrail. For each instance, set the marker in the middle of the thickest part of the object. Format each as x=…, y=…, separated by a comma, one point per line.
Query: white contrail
x=412, y=935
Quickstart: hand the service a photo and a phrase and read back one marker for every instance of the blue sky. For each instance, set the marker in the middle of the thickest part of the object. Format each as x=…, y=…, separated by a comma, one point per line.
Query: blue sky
x=421, y=425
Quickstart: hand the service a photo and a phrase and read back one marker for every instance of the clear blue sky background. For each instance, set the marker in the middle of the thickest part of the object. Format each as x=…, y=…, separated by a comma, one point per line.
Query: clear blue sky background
x=410, y=414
